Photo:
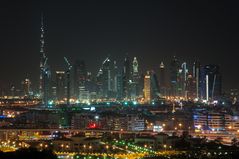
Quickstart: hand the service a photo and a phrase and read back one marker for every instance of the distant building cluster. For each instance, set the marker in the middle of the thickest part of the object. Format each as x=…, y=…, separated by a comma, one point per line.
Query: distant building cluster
x=130, y=83
x=76, y=84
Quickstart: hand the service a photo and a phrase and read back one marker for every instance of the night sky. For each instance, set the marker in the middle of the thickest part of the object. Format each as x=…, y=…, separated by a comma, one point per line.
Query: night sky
x=151, y=30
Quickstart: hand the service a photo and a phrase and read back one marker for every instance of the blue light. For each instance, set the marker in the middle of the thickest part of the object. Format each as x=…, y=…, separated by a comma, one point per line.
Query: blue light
x=125, y=103
x=135, y=103
x=195, y=117
x=50, y=102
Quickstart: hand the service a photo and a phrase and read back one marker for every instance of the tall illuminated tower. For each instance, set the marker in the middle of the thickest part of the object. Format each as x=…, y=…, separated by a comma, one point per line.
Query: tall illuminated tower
x=42, y=58
x=44, y=84
x=147, y=88
x=162, y=80
x=196, y=75
x=106, y=83
x=135, y=79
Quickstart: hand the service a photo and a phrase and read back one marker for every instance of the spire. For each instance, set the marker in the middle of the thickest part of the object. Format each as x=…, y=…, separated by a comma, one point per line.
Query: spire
x=43, y=58
x=42, y=36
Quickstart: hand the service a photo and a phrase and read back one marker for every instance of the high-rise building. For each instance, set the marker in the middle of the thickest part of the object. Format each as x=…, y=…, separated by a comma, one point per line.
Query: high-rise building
x=99, y=83
x=162, y=80
x=155, y=92
x=182, y=80
x=45, y=74
x=26, y=87
x=126, y=77
x=60, y=85
x=211, y=84
x=196, y=76
x=80, y=77
x=106, y=83
x=134, y=82
x=191, y=87
x=119, y=94
x=114, y=77
x=141, y=85
x=147, y=88
x=174, y=69
x=42, y=58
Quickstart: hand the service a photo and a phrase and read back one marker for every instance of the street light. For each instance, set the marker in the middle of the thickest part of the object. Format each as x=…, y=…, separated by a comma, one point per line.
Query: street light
x=180, y=125
x=165, y=146
x=62, y=147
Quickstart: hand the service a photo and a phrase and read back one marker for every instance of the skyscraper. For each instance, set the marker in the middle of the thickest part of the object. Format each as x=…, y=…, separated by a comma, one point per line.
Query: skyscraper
x=191, y=87
x=155, y=92
x=147, y=88
x=60, y=85
x=162, y=79
x=99, y=83
x=126, y=77
x=80, y=76
x=211, y=83
x=134, y=84
x=182, y=80
x=119, y=94
x=45, y=73
x=174, y=70
x=42, y=58
x=106, y=83
x=46, y=84
x=114, y=77
x=26, y=87
x=196, y=76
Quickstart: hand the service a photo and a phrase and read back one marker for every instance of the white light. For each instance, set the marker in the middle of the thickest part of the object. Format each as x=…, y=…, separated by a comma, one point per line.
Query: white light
x=215, y=102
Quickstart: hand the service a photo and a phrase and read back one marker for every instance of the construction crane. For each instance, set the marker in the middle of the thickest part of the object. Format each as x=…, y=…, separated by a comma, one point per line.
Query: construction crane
x=68, y=71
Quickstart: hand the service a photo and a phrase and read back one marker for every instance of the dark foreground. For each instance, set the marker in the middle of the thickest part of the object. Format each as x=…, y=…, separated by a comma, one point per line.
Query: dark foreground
x=30, y=153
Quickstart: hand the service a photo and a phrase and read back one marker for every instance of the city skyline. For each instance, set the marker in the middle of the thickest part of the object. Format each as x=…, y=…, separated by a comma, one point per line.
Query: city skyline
x=136, y=79
x=109, y=35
